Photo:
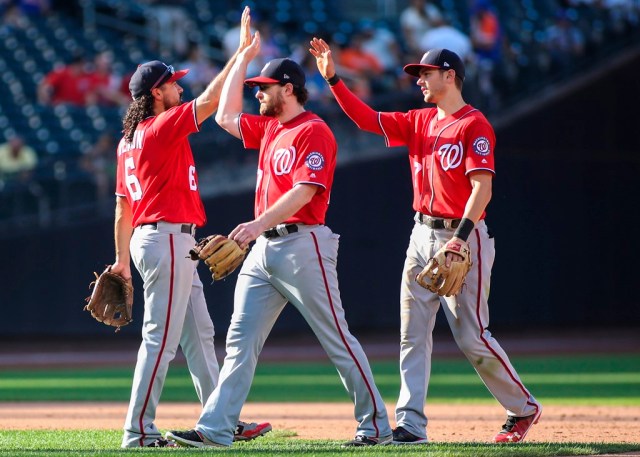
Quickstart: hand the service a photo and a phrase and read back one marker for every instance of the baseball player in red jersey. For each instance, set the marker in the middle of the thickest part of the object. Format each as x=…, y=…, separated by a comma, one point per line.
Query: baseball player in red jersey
x=158, y=208
x=451, y=155
x=294, y=257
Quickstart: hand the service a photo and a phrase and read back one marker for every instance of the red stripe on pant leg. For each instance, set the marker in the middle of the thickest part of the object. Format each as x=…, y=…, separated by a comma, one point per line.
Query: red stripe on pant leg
x=164, y=342
x=486, y=343
x=344, y=340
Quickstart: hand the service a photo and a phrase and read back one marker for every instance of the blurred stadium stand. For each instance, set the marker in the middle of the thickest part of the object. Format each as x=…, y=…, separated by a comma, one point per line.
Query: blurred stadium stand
x=62, y=134
x=567, y=163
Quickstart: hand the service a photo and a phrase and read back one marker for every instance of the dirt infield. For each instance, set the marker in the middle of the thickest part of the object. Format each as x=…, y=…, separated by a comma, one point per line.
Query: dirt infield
x=448, y=423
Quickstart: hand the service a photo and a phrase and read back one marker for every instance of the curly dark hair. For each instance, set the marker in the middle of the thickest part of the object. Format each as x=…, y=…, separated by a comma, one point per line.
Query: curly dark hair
x=139, y=109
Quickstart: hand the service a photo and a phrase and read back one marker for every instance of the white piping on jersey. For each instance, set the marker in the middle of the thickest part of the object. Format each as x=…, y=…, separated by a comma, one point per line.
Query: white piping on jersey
x=479, y=169
x=310, y=182
x=239, y=129
x=433, y=153
x=274, y=143
x=195, y=117
x=386, y=138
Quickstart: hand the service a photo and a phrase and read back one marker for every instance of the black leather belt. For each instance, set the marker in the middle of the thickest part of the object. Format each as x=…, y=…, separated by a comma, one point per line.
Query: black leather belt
x=184, y=228
x=437, y=222
x=280, y=230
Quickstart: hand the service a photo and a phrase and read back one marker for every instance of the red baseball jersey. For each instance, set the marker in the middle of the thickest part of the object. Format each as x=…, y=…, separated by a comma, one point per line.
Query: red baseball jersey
x=156, y=171
x=301, y=151
x=442, y=152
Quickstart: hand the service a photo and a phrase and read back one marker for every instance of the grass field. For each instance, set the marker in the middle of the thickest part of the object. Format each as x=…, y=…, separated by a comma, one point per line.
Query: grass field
x=91, y=443
x=575, y=379
x=564, y=380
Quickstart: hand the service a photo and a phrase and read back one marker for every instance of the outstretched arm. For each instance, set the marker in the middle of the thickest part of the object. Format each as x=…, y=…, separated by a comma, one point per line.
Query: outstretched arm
x=207, y=102
x=357, y=110
x=231, y=98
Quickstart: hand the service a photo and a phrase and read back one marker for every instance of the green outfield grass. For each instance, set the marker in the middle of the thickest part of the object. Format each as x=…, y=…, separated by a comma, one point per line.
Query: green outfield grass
x=92, y=443
x=592, y=380
x=601, y=379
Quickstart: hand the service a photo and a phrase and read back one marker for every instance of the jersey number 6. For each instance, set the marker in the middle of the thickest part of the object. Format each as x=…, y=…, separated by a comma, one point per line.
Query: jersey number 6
x=133, y=185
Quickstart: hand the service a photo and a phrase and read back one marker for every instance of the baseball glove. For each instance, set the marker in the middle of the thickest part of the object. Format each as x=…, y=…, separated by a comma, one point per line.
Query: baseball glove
x=443, y=280
x=111, y=300
x=221, y=254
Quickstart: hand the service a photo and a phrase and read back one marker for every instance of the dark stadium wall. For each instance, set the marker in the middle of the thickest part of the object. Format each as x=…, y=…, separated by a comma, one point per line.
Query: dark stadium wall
x=563, y=214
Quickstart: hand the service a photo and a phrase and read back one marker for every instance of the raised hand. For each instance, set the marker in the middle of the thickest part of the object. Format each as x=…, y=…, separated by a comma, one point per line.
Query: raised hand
x=251, y=51
x=245, y=29
x=322, y=52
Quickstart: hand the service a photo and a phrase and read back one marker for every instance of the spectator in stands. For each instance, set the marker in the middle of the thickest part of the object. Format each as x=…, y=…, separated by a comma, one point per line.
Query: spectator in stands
x=18, y=162
x=445, y=36
x=169, y=24
x=100, y=163
x=355, y=58
x=231, y=39
x=104, y=87
x=13, y=17
x=415, y=21
x=486, y=34
x=67, y=84
x=486, y=38
x=203, y=70
x=124, y=86
x=564, y=43
x=270, y=47
x=320, y=96
x=624, y=15
x=379, y=41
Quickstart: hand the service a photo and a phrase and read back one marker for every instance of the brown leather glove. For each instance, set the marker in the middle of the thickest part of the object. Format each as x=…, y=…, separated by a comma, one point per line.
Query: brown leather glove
x=111, y=300
x=221, y=254
x=443, y=280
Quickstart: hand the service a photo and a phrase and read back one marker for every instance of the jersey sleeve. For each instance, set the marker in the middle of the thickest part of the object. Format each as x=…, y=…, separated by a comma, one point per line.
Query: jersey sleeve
x=357, y=110
x=176, y=123
x=120, y=185
x=316, y=154
x=480, y=142
x=393, y=126
x=252, y=129
x=397, y=127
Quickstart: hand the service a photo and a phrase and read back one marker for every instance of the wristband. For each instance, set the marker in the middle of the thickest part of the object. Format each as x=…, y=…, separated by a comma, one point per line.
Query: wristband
x=333, y=80
x=464, y=229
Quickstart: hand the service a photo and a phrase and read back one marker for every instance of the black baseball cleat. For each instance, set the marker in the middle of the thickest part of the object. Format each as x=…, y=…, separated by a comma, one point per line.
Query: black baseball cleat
x=403, y=436
x=161, y=442
x=191, y=438
x=362, y=440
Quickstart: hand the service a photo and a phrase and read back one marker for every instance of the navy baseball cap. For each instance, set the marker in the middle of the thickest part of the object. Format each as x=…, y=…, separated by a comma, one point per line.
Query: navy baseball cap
x=279, y=71
x=150, y=75
x=441, y=59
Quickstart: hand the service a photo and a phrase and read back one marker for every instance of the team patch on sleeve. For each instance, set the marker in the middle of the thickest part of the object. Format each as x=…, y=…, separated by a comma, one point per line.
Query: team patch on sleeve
x=314, y=161
x=481, y=146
